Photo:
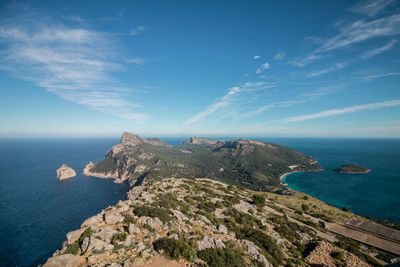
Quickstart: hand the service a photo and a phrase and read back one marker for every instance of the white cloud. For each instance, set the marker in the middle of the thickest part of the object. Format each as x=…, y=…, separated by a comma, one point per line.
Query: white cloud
x=370, y=7
x=335, y=67
x=256, y=57
x=280, y=55
x=74, y=63
x=355, y=32
x=333, y=112
x=379, y=50
x=137, y=30
x=383, y=75
x=137, y=60
x=263, y=67
x=224, y=101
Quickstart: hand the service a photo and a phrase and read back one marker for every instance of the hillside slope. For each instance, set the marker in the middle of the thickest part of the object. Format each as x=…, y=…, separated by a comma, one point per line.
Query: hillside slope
x=189, y=222
x=247, y=163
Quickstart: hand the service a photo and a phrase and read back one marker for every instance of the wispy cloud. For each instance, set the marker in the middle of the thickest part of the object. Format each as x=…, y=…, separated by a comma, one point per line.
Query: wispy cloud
x=137, y=60
x=235, y=95
x=333, y=112
x=256, y=57
x=379, y=50
x=263, y=67
x=370, y=7
x=383, y=75
x=75, y=63
x=137, y=30
x=280, y=55
x=355, y=32
x=335, y=67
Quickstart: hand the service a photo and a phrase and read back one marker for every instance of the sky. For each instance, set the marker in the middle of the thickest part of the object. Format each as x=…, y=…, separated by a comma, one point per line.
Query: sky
x=207, y=68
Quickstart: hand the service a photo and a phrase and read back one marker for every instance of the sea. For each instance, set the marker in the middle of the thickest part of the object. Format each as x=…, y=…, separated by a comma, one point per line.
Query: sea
x=37, y=210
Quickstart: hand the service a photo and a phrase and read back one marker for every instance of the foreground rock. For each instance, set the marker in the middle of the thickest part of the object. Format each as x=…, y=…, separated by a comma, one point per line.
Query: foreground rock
x=200, y=222
x=352, y=169
x=65, y=172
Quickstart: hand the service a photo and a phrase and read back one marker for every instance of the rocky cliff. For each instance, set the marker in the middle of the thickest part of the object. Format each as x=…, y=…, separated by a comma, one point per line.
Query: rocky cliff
x=65, y=172
x=200, y=222
x=242, y=162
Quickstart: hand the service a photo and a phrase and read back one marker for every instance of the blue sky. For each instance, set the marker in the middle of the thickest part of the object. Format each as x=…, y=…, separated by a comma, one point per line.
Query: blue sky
x=258, y=68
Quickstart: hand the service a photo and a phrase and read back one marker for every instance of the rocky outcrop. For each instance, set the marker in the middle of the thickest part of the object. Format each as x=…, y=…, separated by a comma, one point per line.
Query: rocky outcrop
x=156, y=142
x=66, y=260
x=200, y=141
x=182, y=212
x=325, y=254
x=65, y=172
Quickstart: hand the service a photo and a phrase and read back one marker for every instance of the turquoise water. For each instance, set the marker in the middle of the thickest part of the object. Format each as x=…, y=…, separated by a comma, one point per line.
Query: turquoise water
x=375, y=194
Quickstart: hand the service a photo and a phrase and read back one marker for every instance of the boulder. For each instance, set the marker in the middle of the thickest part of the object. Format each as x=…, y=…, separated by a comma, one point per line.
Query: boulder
x=65, y=172
x=92, y=221
x=133, y=229
x=179, y=215
x=128, y=242
x=152, y=222
x=253, y=251
x=113, y=217
x=222, y=229
x=105, y=234
x=66, y=260
x=209, y=242
x=74, y=235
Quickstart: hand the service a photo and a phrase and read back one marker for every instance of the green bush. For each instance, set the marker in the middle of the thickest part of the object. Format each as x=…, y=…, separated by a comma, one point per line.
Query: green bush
x=167, y=201
x=206, y=206
x=337, y=255
x=128, y=219
x=263, y=241
x=304, y=207
x=216, y=257
x=72, y=249
x=118, y=237
x=258, y=200
x=176, y=249
x=152, y=212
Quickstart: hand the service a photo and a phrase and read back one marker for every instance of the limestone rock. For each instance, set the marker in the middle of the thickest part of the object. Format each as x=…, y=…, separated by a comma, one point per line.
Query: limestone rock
x=155, y=223
x=209, y=242
x=85, y=244
x=74, y=235
x=66, y=260
x=133, y=229
x=65, y=172
x=105, y=234
x=222, y=229
x=113, y=217
x=253, y=251
x=179, y=215
x=92, y=221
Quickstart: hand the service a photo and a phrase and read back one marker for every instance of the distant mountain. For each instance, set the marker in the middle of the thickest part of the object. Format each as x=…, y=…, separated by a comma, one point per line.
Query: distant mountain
x=247, y=163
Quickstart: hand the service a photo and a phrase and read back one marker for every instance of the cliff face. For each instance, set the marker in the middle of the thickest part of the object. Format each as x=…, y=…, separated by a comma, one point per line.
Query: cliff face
x=203, y=222
x=243, y=162
x=65, y=172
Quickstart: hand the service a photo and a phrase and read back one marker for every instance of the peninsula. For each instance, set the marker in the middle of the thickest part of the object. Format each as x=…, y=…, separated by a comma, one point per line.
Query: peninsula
x=247, y=163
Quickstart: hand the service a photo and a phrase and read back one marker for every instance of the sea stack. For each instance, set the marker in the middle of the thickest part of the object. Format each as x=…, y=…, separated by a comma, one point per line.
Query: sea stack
x=65, y=172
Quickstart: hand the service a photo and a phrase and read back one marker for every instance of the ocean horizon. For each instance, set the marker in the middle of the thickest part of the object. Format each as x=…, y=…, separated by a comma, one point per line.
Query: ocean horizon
x=35, y=205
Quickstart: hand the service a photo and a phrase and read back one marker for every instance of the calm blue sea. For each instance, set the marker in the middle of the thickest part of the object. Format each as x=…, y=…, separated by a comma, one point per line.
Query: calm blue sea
x=37, y=210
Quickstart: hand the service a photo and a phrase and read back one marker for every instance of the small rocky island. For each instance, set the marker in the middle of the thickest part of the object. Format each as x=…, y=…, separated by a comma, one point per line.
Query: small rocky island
x=65, y=172
x=352, y=168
